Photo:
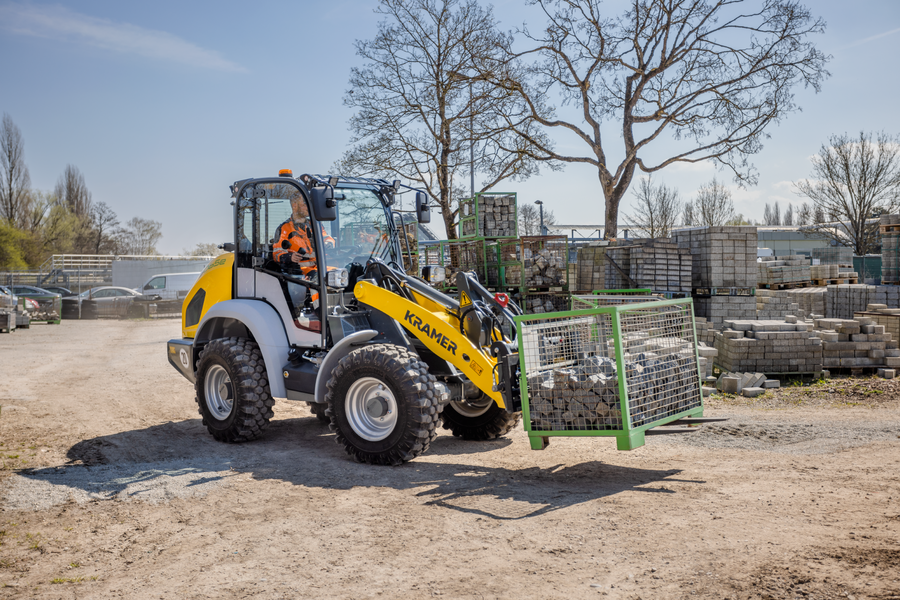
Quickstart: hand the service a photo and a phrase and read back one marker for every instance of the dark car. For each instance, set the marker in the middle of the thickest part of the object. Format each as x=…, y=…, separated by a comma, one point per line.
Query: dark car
x=104, y=301
x=8, y=300
x=64, y=292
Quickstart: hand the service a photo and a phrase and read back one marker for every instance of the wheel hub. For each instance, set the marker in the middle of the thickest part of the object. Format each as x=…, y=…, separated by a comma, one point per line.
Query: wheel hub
x=371, y=409
x=219, y=392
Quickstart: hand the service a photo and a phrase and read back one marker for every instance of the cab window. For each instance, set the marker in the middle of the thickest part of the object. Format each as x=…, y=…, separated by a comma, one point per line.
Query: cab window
x=157, y=283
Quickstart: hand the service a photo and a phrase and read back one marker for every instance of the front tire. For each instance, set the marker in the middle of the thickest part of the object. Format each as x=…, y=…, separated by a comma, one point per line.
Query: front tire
x=318, y=410
x=233, y=390
x=382, y=405
x=479, y=421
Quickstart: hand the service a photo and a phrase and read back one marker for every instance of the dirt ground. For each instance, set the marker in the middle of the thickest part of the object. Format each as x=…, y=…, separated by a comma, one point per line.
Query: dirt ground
x=111, y=488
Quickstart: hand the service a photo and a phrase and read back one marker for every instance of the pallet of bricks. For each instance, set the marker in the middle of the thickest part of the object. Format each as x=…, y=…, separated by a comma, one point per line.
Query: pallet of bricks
x=835, y=266
x=724, y=271
x=658, y=264
x=801, y=302
x=783, y=272
x=488, y=215
x=890, y=249
x=770, y=347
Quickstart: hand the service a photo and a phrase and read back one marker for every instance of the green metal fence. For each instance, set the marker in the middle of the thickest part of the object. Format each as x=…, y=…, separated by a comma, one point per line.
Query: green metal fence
x=609, y=371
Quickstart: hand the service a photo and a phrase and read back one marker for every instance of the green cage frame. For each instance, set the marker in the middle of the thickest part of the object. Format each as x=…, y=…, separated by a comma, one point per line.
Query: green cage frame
x=628, y=437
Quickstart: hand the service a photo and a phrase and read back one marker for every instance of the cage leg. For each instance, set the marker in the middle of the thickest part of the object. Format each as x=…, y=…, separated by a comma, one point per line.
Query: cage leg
x=630, y=440
x=538, y=442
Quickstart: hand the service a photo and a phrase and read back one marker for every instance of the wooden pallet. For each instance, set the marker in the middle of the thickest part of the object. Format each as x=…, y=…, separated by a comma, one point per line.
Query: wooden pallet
x=889, y=228
x=840, y=281
x=783, y=286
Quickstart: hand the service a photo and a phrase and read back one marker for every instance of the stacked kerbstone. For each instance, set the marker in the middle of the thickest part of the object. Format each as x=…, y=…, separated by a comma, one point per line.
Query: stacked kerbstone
x=782, y=270
x=723, y=257
x=706, y=358
x=768, y=347
x=772, y=304
x=705, y=332
x=855, y=343
x=889, y=295
x=890, y=249
x=657, y=264
x=845, y=299
x=591, y=267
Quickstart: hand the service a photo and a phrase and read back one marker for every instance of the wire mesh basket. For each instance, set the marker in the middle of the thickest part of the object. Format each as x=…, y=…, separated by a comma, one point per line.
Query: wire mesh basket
x=587, y=301
x=48, y=310
x=614, y=371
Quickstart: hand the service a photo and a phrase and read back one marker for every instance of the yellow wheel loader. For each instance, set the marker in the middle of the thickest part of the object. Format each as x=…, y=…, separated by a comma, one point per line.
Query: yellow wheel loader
x=380, y=355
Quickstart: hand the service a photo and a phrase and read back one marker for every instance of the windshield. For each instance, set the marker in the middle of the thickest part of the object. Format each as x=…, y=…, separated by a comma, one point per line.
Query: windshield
x=361, y=230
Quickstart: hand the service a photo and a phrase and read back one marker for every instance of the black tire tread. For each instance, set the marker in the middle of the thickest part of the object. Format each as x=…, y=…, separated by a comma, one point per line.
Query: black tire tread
x=318, y=410
x=252, y=396
x=416, y=385
x=495, y=423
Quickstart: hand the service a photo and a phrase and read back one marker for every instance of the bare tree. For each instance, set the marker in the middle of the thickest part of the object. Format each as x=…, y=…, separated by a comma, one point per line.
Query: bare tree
x=656, y=208
x=203, y=249
x=104, y=222
x=140, y=236
x=73, y=192
x=707, y=76
x=16, y=182
x=713, y=205
x=788, y=219
x=854, y=180
x=425, y=111
x=688, y=215
x=530, y=220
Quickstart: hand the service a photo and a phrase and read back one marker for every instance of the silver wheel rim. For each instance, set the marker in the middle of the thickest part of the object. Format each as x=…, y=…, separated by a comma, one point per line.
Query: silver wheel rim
x=471, y=410
x=371, y=409
x=219, y=392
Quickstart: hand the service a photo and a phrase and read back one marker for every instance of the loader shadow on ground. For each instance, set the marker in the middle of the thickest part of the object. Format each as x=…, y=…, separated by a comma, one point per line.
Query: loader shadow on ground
x=301, y=452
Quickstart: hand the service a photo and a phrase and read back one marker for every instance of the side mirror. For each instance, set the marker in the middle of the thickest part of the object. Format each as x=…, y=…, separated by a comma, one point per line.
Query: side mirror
x=227, y=247
x=323, y=203
x=423, y=211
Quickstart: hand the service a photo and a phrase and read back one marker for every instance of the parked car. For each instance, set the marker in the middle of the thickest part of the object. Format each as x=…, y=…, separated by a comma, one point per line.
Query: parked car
x=169, y=286
x=103, y=301
x=64, y=292
x=8, y=300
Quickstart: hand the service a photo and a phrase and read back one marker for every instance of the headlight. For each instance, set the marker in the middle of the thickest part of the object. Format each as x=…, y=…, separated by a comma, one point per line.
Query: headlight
x=337, y=278
x=434, y=273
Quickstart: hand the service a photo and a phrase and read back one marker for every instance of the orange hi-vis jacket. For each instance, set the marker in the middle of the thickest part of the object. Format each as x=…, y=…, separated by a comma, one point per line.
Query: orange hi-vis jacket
x=300, y=240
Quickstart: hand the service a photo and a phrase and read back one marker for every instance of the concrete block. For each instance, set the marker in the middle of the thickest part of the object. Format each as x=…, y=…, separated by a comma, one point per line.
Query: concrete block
x=769, y=384
x=887, y=373
x=758, y=379
x=730, y=385
x=753, y=392
x=708, y=391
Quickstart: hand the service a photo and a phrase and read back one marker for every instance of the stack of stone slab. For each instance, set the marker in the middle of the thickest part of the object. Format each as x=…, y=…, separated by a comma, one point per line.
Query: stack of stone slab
x=823, y=272
x=890, y=249
x=705, y=331
x=746, y=384
x=656, y=264
x=855, y=343
x=768, y=347
x=723, y=257
x=783, y=270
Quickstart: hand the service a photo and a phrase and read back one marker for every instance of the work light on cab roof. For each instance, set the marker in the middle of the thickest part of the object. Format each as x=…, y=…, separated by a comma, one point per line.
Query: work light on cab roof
x=285, y=173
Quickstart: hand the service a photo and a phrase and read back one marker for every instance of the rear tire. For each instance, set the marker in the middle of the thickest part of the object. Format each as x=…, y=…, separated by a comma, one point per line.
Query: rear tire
x=318, y=409
x=382, y=405
x=471, y=422
x=233, y=390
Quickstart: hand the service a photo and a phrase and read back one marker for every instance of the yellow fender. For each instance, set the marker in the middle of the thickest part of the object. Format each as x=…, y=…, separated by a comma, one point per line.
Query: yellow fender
x=437, y=332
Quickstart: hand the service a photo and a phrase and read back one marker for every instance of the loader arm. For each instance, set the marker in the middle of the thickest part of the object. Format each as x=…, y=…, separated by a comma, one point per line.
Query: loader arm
x=438, y=329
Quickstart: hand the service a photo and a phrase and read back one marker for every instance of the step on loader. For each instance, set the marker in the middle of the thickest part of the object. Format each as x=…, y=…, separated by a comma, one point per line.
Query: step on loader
x=311, y=303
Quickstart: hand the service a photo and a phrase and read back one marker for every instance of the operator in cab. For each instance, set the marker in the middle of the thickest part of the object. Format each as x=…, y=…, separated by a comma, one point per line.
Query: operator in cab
x=294, y=247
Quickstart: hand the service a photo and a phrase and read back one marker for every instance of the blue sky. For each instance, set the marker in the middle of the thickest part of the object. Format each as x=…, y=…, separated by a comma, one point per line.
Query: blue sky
x=163, y=104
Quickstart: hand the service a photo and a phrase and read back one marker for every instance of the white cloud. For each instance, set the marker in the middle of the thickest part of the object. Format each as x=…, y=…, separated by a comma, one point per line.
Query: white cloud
x=60, y=23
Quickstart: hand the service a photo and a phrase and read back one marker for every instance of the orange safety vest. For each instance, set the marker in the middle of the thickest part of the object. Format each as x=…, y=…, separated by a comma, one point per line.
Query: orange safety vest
x=299, y=239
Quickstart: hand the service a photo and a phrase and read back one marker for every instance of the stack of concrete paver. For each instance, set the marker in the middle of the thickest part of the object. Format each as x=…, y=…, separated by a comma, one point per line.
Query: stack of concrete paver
x=768, y=347
x=783, y=270
x=746, y=384
x=890, y=249
x=854, y=343
x=889, y=318
x=770, y=304
x=706, y=357
x=656, y=264
x=845, y=299
x=724, y=257
x=821, y=272
x=590, y=272
x=705, y=331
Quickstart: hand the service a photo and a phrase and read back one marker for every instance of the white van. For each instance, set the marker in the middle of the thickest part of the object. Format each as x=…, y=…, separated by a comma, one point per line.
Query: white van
x=169, y=286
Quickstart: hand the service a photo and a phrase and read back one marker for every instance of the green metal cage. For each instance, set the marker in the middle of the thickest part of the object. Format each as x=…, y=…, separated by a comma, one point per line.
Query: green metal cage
x=609, y=371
